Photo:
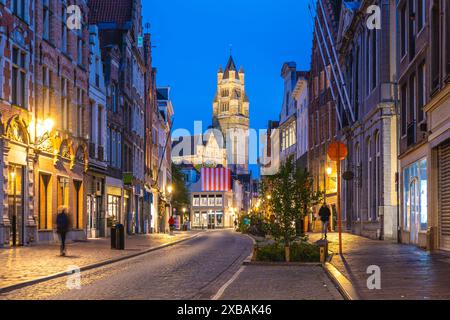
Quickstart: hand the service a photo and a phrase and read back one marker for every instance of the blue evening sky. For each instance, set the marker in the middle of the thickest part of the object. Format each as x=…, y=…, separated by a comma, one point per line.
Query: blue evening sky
x=193, y=37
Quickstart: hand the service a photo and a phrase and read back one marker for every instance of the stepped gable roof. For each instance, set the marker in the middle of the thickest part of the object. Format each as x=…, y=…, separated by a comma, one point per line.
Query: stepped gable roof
x=107, y=11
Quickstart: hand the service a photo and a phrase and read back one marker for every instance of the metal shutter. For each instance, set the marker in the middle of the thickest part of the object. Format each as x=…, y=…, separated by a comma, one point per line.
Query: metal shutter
x=444, y=195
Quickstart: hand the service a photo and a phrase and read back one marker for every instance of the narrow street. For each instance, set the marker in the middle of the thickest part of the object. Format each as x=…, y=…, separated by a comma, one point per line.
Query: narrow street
x=195, y=269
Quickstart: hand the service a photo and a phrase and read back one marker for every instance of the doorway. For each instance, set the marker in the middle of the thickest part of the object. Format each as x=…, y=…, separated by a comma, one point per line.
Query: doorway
x=414, y=211
x=16, y=203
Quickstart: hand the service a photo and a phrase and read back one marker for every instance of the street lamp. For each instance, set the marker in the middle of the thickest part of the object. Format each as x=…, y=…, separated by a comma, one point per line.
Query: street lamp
x=170, y=189
x=329, y=171
x=268, y=197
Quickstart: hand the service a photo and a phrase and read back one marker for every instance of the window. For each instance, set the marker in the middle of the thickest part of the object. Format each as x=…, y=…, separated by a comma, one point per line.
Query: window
x=356, y=182
x=19, y=75
x=447, y=23
x=63, y=192
x=19, y=8
x=64, y=28
x=46, y=19
x=99, y=126
x=435, y=45
x=80, y=51
x=114, y=98
x=204, y=201
x=219, y=201
x=46, y=83
x=377, y=173
x=64, y=105
x=196, y=202
x=404, y=96
x=113, y=204
x=403, y=20
x=80, y=113
x=224, y=107
x=211, y=201
x=78, y=204
x=373, y=56
x=45, y=202
x=421, y=92
x=369, y=180
x=421, y=7
x=412, y=99
x=415, y=207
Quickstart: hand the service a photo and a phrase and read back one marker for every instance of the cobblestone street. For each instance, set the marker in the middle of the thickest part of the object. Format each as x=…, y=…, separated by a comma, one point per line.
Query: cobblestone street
x=194, y=269
x=257, y=282
x=407, y=272
x=28, y=263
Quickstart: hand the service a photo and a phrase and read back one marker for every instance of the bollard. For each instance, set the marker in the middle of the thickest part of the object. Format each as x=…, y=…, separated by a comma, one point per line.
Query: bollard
x=323, y=246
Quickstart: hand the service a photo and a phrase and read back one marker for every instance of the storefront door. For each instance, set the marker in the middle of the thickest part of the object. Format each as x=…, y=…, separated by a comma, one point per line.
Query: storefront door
x=415, y=212
x=16, y=204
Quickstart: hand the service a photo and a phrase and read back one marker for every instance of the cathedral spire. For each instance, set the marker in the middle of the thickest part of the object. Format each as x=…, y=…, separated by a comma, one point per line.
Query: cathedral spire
x=231, y=66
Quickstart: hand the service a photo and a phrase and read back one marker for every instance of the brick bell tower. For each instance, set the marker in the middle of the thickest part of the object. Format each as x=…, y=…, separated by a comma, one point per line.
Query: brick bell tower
x=231, y=115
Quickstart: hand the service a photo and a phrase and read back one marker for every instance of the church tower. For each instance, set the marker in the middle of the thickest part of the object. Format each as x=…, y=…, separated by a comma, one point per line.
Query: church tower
x=231, y=115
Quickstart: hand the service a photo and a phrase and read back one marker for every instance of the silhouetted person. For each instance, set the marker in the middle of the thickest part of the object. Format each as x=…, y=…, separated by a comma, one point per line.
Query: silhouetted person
x=324, y=214
x=62, y=227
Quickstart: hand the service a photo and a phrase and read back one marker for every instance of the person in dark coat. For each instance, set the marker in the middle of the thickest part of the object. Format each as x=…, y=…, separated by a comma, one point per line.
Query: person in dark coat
x=324, y=214
x=62, y=227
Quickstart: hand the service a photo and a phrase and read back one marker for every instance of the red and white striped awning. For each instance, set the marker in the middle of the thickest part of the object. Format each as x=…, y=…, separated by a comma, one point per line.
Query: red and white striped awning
x=215, y=179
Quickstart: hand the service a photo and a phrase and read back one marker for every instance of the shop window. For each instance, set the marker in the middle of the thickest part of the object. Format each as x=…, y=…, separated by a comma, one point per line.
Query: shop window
x=45, y=202
x=415, y=207
x=63, y=192
x=113, y=209
x=219, y=201
x=196, y=201
x=204, y=201
x=78, y=204
x=211, y=201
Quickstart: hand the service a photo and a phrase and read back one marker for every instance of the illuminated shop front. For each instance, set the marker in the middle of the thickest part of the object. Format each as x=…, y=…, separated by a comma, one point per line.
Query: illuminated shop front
x=414, y=204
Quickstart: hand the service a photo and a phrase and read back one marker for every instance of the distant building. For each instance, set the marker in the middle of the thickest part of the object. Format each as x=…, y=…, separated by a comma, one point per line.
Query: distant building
x=423, y=68
x=269, y=162
x=300, y=96
x=206, y=150
x=164, y=180
x=98, y=165
x=231, y=115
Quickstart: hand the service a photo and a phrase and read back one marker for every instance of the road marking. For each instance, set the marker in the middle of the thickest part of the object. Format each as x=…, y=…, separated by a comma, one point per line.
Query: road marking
x=221, y=291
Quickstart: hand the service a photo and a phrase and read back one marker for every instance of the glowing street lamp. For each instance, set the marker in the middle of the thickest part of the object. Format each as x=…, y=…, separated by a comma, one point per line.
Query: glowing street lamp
x=170, y=189
x=329, y=171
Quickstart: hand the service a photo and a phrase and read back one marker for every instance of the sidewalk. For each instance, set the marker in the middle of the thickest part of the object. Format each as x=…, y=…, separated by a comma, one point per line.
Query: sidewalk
x=407, y=272
x=26, y=264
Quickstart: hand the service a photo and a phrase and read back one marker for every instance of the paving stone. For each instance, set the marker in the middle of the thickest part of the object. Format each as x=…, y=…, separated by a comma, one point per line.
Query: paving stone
x=407, y=272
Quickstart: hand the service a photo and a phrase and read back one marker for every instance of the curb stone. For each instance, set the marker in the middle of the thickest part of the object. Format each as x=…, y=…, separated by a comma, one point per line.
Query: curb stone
x=344, y=286
x=92, y=266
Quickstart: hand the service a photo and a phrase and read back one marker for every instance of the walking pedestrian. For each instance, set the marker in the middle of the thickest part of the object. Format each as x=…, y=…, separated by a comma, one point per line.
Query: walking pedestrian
x=62, y=227
x=324, y=214
x=171, y=224
x=235, y=224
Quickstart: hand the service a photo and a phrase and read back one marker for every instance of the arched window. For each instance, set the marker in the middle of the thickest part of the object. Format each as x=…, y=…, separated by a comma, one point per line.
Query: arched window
x=377, y=173
x=356, y=182
x=369, y=179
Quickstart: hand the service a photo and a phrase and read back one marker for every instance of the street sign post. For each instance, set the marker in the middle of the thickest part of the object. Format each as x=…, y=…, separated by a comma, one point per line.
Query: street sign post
x=337, y=151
